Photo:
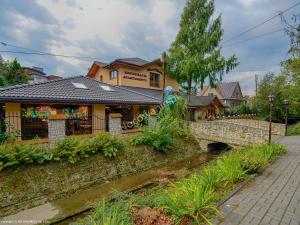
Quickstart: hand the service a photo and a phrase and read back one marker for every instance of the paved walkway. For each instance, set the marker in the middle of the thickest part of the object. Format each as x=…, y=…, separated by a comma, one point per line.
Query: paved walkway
x=271, y=198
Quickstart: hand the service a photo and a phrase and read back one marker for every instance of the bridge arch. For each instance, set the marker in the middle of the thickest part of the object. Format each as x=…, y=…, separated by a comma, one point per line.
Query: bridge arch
x=218, y=147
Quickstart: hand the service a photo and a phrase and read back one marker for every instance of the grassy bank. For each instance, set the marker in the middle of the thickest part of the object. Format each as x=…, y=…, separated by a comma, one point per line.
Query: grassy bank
x=294, y=130
x=189, y=200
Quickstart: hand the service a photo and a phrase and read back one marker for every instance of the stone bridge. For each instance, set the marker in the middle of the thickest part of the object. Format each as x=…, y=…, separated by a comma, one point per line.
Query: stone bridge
x=234, y=132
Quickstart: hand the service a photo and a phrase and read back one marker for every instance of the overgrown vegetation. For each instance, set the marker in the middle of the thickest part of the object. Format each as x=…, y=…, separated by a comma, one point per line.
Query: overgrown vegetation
x=294, y=129
x=196, y=197
x=6, y=136
x=170, y=124
x=69, y=149
x=109, y=214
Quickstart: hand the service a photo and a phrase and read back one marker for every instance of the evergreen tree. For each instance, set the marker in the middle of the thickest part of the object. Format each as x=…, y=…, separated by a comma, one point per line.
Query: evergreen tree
x=195, y=55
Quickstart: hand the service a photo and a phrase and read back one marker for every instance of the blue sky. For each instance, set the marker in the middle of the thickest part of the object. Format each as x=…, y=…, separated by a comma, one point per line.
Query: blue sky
x=109, y=29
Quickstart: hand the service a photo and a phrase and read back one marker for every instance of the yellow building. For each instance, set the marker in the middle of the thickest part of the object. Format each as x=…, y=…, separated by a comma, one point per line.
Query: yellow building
x=132, y=72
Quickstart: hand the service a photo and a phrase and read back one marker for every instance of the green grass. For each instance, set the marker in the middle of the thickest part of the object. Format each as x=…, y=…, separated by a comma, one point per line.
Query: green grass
x=294, y=129
x=196, y=197
x=109, y=214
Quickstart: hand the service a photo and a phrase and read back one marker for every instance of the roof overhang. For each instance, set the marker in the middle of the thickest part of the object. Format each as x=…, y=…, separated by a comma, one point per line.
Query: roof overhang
x=72, y=101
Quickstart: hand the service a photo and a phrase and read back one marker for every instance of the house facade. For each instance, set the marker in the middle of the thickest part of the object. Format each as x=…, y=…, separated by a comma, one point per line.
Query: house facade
x=204, y=107
x=229, y=93
x=132, y=72
x=85, y=105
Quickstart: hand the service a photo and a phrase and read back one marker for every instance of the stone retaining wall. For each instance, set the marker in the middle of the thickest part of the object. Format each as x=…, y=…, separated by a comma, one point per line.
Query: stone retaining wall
x=31, y=185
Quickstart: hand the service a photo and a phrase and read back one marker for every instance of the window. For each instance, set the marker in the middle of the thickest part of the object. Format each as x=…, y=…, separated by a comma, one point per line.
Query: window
x=113, y=74
x=154, y=79
x=79, y=85
x=210, y=94
x=101, y=78
x=106, y=88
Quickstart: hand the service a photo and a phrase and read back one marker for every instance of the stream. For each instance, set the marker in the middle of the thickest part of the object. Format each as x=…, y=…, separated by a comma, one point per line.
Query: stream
x=73, y=207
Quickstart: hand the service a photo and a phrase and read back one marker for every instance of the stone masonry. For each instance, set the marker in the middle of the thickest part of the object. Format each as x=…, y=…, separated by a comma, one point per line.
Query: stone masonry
x=277, y=128
x=115, y=123
x=56, y=129
x=231, y=133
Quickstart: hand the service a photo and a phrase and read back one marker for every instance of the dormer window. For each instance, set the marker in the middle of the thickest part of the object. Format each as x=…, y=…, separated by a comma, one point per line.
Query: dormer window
x=113, y=74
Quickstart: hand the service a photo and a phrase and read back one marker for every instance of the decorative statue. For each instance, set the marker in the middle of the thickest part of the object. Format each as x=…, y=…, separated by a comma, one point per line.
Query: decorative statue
x=170, y=98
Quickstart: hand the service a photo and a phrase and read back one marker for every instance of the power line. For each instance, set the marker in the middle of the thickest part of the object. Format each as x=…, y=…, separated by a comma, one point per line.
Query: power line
x=262, y=23
x=255, y=37
x=41, y=53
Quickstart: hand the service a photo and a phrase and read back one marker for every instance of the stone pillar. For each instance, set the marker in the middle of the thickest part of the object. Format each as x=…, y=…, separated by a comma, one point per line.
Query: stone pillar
x=115, y=123
x=153, y=120
x=153, y=117
x=56, y=128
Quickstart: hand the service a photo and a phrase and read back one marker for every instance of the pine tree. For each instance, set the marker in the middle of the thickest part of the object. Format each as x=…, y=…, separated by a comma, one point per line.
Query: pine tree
x=195, y=55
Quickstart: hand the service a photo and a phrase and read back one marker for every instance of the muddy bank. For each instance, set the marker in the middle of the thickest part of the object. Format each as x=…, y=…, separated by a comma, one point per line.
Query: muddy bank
x=30, y=186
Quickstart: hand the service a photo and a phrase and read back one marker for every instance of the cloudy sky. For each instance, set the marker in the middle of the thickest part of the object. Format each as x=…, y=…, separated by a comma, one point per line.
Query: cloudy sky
x=109, y=29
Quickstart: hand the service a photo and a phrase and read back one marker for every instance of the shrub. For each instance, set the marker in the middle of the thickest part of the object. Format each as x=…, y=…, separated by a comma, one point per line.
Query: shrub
x=108, y=144
x=161, y=136
x=72, y=148
x=13, y=155
x=67, y=149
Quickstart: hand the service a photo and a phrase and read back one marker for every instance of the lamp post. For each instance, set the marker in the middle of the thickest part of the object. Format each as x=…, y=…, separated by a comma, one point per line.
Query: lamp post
x=286, y=104
x=163, y=60
x=271, y=100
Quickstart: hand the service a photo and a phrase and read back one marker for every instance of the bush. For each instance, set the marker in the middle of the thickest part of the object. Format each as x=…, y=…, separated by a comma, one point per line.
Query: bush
x=13, y=155
x=108, y=144
x=69, y=149
x=294, y=129
x=161, y=136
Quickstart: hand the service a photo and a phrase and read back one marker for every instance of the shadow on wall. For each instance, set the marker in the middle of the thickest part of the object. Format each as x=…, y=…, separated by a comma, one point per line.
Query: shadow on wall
x=218, y=147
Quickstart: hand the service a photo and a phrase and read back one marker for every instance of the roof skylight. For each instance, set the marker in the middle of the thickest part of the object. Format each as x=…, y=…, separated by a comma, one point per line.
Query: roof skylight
x=106, y=88
x=79, y=85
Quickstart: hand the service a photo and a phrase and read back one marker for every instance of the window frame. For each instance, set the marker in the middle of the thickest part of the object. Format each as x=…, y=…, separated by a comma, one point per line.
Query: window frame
x=155, y=82
x=113, y=74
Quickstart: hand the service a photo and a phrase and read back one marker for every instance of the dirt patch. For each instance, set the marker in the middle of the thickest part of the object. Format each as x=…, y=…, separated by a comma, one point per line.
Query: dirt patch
x=149, y=216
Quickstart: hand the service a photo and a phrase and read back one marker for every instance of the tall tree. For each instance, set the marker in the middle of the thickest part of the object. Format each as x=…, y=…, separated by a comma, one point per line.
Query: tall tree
x=12, y=73
x=195, y=55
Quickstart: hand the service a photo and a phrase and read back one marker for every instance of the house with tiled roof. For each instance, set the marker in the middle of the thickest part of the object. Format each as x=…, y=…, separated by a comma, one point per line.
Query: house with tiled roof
x=230, y=93
x=132, y=72
x=146, y=77
x=84, y=103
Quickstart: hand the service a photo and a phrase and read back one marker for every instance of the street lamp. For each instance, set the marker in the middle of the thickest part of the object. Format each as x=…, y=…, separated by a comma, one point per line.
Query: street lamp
x=286, y=104
x=163, y=60
x=271, y=100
